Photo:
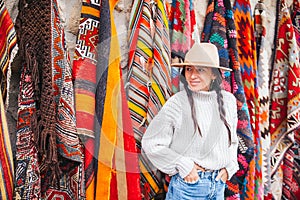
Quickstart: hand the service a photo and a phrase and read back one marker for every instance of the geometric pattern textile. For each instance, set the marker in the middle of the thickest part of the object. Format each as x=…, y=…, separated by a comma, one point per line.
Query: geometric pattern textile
x=8, y=49
x=285, y=97
x=149, y=81
x=247, y=58
x=219, y=29
x=49, y=155
x=182, y=33
x=263, y=93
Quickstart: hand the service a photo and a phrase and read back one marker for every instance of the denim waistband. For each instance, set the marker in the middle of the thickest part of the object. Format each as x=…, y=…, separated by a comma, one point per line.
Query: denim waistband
x=208, y=174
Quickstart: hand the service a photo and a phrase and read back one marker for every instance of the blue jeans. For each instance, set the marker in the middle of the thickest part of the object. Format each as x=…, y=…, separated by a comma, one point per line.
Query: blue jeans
x=205, y=188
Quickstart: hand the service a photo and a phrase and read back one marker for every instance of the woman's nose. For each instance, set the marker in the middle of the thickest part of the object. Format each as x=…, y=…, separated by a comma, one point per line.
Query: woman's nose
x=194, y=73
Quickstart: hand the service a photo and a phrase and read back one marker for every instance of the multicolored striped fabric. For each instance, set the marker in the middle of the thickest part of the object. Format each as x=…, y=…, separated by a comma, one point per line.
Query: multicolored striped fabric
x=6, y=158
x=263, y=77
x=8, y=48
x=49, y=152
x=219, y=29
x=285, y=97
x=85, y=79
x=148, y=81
x=246, y=44
x=117, y=165
x=182, y=33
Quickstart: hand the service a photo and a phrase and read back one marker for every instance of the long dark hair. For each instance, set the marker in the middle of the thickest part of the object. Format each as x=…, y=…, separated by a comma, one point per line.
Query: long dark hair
x=215, y=85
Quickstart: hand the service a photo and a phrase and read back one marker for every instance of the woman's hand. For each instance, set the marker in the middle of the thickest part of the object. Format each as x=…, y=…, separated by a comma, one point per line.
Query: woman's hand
x=223, y=175
x=193, y=176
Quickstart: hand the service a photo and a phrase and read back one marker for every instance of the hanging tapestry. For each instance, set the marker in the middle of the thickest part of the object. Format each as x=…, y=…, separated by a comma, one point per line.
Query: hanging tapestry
x=183, y=28
x=8, y=49
x=263, y=76
x=49, y=154
x=284, y=109
x=295, y=184
x=117, y=174
x=246, y=45
x=84, y=75
x=219, y=29
x=148, y=82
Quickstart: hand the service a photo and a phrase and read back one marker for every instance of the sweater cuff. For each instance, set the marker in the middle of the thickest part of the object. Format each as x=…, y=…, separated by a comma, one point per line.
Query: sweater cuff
x=185, y=166
x=231, y=169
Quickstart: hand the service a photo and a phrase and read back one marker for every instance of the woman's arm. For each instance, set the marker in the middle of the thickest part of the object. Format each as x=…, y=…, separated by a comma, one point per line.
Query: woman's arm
x=158, y=137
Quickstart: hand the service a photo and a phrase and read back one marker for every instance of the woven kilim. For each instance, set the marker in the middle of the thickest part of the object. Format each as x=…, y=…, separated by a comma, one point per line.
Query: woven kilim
x=295, y=183
x=246, y=44
x=149, y=80
x=117, y=165
x=285, y=98
x=85, y=75
x=219, y=29
x=7, y=51
x=49, y=153
x=182, y=33
x=263, y=93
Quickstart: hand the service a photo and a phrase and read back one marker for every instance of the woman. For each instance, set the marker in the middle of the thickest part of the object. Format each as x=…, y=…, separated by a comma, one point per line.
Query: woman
x=193, y=137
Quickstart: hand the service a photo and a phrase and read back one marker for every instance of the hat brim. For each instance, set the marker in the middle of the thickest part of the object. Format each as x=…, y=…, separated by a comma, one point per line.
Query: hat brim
x=200, y=65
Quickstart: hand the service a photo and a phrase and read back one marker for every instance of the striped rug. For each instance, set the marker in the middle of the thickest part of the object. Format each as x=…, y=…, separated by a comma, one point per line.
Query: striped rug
x=285, y=98
x=117, y=174
x=84, y=75
x=8, y=48
x=148, y=82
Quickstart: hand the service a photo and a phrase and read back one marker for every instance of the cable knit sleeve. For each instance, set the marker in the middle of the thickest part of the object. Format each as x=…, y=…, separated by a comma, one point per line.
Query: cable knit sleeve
x=158, y=137
x=233, y=166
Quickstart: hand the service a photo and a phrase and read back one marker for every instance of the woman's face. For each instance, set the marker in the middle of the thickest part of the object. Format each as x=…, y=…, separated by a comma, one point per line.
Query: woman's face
x=199, y=78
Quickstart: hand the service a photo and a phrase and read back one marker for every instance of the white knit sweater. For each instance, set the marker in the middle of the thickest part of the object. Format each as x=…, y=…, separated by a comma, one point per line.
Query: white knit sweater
x=172, y=145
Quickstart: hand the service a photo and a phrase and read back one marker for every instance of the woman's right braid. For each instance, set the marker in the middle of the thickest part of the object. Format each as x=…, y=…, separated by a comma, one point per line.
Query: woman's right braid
x=221, y=107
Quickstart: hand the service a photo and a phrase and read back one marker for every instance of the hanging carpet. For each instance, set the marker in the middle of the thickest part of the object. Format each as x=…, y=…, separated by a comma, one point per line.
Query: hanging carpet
x=246, y=46
x=219, y=29
x=263, y=76
x=84, y=75
x=49, y=154
x=183, y=34
x=284, y=108
x=148, y=81
x=117, y=174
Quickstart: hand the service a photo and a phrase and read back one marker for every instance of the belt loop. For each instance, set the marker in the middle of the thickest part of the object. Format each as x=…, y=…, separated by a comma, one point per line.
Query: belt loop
x=201, y=174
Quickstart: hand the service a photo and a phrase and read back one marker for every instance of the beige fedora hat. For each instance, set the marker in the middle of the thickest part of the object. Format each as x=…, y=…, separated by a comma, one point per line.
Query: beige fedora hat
x=203, y=54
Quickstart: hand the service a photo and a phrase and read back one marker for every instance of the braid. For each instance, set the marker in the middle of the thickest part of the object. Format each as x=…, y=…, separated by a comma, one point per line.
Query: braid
x=217, y=87
x=192, y=104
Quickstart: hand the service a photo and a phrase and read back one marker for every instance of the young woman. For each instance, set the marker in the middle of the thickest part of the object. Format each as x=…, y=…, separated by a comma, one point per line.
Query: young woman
x=193, y=137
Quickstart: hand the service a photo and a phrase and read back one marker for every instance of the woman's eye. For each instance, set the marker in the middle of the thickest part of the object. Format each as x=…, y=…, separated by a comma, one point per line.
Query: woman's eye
x=188, y=69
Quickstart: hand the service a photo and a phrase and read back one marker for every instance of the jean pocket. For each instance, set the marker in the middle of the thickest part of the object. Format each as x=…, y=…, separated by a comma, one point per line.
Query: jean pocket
x=189, y=183
x=221, y=181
